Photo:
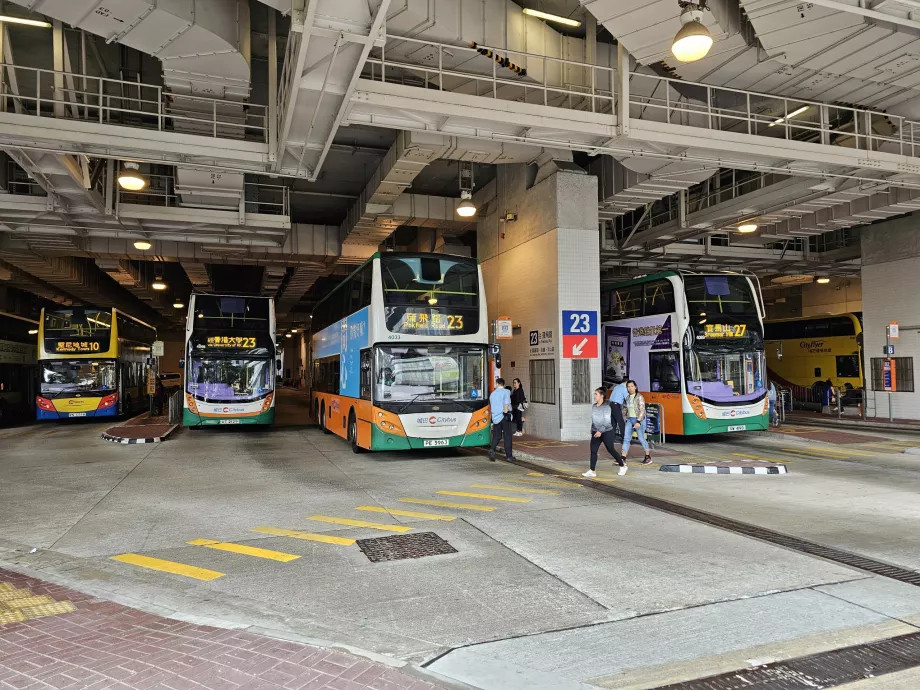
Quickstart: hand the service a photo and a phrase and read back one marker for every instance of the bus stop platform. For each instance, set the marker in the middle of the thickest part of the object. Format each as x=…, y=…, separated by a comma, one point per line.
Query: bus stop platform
x=140, y=429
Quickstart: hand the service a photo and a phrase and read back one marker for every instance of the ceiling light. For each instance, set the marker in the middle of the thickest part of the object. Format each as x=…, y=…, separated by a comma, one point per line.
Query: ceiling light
x=466, y=208
x=130, y=177
x=200, y=315
x=33, y=331
x=432, y=300
x=824, y=280
x=693, y=41
x=799, y=111
x=293, y=330
x=158, y=283
x=551, y=17
x=27, y=22
x=143, y=245
x=178, y=304
x=287, y=335
x=745, y=228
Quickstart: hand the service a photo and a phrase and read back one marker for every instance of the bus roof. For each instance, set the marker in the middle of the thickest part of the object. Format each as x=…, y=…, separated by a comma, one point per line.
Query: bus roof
x=817, y=317
x=114, y=310
x=667, y=274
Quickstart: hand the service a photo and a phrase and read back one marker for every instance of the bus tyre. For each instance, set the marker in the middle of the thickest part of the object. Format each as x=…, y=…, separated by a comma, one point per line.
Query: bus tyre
x=353, y=433
x=322, y=419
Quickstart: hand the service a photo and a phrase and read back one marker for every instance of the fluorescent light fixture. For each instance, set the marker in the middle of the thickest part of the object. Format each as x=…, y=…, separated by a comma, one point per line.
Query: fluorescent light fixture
x=551, y=17
x=27, y=22
x=158, y=283
x=824, y=280
x=293, y=330
x=693, y=41
x=745, y=228
x=33, y=331
x=130, y=178
x=781, y=120
x=143, y=245
x=178, y=304
x=287, y=335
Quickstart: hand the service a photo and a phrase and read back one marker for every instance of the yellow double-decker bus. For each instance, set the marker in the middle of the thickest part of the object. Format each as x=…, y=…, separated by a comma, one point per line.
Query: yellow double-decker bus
x=805, y=352
x=92, y=363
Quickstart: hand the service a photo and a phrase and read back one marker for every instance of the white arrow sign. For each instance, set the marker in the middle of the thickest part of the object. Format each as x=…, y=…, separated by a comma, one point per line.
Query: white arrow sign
x=576, y=349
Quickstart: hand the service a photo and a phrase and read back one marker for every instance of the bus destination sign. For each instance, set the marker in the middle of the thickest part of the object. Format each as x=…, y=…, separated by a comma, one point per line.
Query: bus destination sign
x=440, y=322
x=240, y=342
x=77, y=346
x=724, y=330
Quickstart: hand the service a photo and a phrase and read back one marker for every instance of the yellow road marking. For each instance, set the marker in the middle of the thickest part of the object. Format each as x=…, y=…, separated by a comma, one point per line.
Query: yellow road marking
x=519, y=489
x=758, y=457
x=359, y=523
x=840, y=452
x=308, y=536
x=535, y=474
x=445, y=504
x=541, y=482
x=488, y=497
x=407, y=513
x=815, y=454
x=245, y=550
x=168, y=566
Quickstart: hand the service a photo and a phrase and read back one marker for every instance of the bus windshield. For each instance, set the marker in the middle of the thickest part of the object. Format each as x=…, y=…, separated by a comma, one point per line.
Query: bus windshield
x=230, y=380
x=61, y=378
x=720, y=375
x=231, y=313
x=406, y=374
x=709, y=296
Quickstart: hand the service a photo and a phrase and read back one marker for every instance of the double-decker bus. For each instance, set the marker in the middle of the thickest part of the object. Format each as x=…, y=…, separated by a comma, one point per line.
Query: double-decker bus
x=229, y=360
x=92, y=363
x=693, y=343
x=399, y=354
x=804, y=352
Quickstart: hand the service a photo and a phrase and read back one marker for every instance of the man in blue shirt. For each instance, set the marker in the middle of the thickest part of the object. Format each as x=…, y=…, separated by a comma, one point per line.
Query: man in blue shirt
x=617, y=399
x=500, y=407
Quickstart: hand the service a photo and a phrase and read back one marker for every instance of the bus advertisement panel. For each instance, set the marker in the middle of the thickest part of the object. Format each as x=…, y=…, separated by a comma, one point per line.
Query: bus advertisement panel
x=230, y=365
x=92, y=363
x=399, y=355
x=694, y=345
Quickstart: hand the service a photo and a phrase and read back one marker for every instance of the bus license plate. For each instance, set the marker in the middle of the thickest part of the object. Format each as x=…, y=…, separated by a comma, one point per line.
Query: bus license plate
x=229, y=421
x=436, y=442
x=741, y=427
x=77, y=414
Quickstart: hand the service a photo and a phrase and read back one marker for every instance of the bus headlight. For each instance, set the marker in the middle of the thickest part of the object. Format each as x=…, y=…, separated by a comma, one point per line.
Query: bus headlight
x=389, y=423
x=108, y=401
x=479, y=420
x=766, y=405
x=697, y=405
x=44, y=404
x=267, y=403
x=190, y=403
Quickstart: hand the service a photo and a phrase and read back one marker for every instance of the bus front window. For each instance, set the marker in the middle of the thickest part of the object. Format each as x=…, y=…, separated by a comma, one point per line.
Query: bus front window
x=404, y=374
x=230, y=380
x=725, y=376
x=60, y=378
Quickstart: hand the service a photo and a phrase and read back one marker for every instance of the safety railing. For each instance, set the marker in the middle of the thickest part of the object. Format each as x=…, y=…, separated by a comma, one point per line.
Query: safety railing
x=67, y=95
x=502, y=74
x=174, y=408
x=162, y=191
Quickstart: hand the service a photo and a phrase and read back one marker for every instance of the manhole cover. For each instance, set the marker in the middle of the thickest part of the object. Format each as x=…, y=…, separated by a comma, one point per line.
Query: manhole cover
x=404, y=546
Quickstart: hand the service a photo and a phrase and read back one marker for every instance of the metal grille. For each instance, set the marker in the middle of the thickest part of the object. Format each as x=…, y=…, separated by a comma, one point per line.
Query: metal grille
x=404, y=546
x=581, y=381
x=829, y=553
x=543, y=381
x=904, y=374
x=824, y=670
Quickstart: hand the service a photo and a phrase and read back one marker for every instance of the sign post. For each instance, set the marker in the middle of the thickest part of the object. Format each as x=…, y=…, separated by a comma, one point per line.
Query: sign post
x=889, y=366
x=579, y=334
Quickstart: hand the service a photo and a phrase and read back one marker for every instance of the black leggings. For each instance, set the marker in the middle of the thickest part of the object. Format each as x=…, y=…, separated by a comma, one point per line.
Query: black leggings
x=607, y=439
x=518, y=419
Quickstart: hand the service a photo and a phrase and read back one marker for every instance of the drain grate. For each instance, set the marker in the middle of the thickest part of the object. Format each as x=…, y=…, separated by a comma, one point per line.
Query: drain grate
x=824, y=670
x=404, y=546
x=830, y=553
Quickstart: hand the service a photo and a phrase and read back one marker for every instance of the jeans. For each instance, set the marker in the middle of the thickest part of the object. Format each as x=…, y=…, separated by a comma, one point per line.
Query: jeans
x=607, y=438
x=502, y=428
x=518, y=419
x=773, y=416
x=627, y=437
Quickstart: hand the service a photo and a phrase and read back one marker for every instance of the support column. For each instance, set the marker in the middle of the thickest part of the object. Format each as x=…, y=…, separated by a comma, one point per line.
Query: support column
x=58, y=64
x=622, y=90
x=546, y=261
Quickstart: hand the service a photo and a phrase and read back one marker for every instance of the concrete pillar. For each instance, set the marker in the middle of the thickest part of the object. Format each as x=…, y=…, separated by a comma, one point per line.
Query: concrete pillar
x=534, y=267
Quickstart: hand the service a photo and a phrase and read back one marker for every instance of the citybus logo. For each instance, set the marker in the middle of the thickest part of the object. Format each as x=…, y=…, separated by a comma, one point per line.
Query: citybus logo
x=433, y=420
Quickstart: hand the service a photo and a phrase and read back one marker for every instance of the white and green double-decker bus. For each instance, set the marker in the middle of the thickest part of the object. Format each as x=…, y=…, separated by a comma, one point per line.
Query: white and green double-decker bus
x=229, y=360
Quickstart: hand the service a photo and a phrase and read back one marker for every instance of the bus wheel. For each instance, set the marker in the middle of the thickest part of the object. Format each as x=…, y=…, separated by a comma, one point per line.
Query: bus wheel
x=322, y=419
x=353, y=433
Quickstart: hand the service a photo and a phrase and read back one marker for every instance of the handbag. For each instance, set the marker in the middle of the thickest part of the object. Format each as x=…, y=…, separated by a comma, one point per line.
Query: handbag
x=524, y=405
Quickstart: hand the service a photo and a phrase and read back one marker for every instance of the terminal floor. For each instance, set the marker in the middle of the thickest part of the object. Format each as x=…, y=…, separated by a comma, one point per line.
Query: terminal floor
x=567, y=588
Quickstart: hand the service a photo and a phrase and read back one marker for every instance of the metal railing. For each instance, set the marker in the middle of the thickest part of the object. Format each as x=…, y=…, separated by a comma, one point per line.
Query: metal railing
x=462, y=69
x=174, y=409
x=68, y=95
x=162, y=191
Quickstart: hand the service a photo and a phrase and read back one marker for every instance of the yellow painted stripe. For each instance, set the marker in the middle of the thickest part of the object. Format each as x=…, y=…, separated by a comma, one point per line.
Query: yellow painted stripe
x=816, y=454
x=834, y=451
x=542, y=482
x=407, y=513
x=534, y=474
x=519, y=489
x=308, y=536
x=489, y=497
x=758, y=457
x=359, y=523
x=445, y=504
x=168, y=566
x=245, y=550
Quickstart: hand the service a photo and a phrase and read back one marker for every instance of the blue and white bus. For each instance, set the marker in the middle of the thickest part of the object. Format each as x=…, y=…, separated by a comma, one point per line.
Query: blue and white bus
x=399, y=354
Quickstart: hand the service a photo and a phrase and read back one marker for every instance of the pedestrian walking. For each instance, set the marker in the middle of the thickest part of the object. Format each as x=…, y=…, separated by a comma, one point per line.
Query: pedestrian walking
x=774, y=417
x=500, y=407
x=602, y=431
x=617, y=398
x=518, y=405
x=636, y=419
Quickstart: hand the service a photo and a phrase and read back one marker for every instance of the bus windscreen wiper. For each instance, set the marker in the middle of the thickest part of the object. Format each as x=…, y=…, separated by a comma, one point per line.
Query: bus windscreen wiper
x=416, y=397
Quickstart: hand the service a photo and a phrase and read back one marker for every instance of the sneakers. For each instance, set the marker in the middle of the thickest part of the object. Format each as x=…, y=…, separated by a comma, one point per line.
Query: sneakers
x=589, y=474
x=622, y=470
x=518, y=433
x=648, y=460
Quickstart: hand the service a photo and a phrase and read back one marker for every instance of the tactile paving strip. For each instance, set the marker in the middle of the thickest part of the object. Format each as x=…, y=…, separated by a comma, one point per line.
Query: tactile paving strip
x=19, y=605
x=824, y=670
x=404, y=546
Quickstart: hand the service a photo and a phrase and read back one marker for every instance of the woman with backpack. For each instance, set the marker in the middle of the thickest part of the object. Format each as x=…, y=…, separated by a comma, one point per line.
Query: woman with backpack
x=603, y=431
x=518, y=405
x=636, y=420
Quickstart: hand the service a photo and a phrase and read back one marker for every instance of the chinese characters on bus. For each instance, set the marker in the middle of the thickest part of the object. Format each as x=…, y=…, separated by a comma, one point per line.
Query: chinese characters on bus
x=77, y=346
x=423, y=321
x=723, y=330
x=236, y=341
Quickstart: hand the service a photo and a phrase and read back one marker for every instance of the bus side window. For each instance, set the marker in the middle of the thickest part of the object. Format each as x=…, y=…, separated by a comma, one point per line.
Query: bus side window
x=367, y=366
x=664, y=372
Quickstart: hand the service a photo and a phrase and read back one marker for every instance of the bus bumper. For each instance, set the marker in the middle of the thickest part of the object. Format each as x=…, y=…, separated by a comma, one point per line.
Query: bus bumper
x=107, y=412
x=381, y=440
x=191, y=419
x=693, y=425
